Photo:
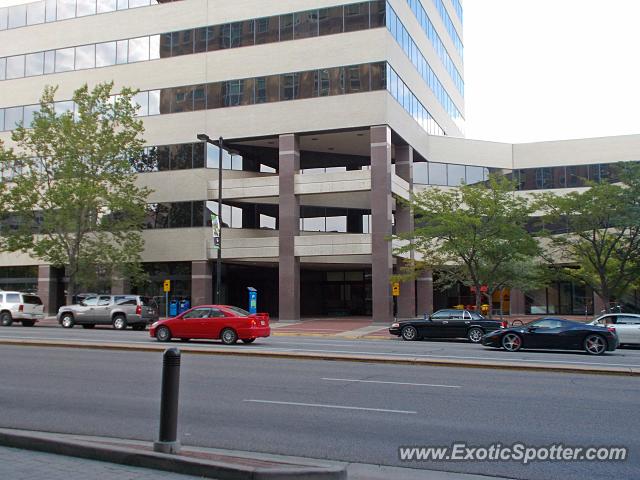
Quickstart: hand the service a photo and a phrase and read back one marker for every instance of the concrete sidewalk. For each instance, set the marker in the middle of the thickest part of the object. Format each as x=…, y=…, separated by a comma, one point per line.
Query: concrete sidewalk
x=30, y=455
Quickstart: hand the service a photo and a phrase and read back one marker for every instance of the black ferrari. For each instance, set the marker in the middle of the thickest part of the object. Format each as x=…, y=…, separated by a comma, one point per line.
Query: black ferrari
x=554, y=333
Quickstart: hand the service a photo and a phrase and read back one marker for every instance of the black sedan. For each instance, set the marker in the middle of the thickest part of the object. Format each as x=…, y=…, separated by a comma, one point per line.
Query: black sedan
x=555, y=333
x=447, y=323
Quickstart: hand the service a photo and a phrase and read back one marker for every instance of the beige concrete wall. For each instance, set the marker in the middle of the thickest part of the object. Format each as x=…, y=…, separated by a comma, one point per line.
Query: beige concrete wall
x=470, y=152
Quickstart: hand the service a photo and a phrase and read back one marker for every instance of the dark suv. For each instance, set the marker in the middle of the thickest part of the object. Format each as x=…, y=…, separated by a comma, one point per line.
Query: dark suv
x=120, y=311
x=447, y=323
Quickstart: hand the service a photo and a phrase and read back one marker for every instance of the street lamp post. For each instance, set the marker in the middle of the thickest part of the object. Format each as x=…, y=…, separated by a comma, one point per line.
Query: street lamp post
x=219, y=143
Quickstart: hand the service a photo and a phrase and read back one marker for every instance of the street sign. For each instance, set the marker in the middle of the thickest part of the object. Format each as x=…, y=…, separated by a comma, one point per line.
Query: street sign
x=215, y=230
x=395, y=289
x=167, y=286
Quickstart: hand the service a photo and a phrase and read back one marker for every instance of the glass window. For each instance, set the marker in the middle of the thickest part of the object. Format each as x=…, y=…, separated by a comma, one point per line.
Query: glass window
x=90, y=301
x=1, y=119
x=66, y=9
x=34, y=64
x=35, y=13
x=50, y=10
x=154, y=102
x=307, y=86
x=198, y=157
x=122, y=48
x=272, y=88
x=357, y=78
x=123, y=4
x=305, y=24
x=215, y=95
x=378, y=76
x=420, y=173
x=139, y=49
x=85, y=57
x=12, y=116
x=138, y=3
x=181, y=156
x=4, y=18
x=107, y=6
x=330, y=20
x=200, y=97
x=456, y=175
x=104, y=300
x=142, y=99
x=200, y=40
x=86, y=7
x=65, y=59
x=15, y=67
x=17, y=16
x=378, y=13
x=182, y=43
x=286, y=27
x=3, y=68
x=475, y=174
x=290, y=84
x=63, y=107
x=154, y=47
x=181, y=99
x=165, y=45
x=49, y=61
x=356, y=17
x=267, y=30
x=105, y=54
x=180, y=215
x=437, y=173
x=233, y=93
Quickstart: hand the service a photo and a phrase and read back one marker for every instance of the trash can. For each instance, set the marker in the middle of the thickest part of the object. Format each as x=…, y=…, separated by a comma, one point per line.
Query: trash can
x=184, y=305
x=173, y=308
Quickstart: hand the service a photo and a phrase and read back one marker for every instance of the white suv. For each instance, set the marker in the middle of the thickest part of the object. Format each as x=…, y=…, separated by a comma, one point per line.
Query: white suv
x=627, y=326
x=22, y=307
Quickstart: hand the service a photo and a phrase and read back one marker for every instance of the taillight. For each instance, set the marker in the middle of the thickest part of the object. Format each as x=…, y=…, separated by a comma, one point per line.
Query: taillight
x=504, y=324
x=612, y=329
x=21, y=308
x=253, y=322
x=138, y=310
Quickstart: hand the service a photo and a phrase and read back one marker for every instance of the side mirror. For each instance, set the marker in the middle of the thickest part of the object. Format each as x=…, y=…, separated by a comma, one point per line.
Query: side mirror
x=427, y=317
x=82, y=304
x=532, y=329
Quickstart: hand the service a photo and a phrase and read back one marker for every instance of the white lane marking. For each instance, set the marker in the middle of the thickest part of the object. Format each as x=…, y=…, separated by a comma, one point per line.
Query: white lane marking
x=340, y=407
x=390, y=383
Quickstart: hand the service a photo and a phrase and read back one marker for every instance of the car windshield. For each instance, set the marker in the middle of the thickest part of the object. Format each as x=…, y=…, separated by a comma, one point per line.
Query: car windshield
x=476, y=316
x=239, y=311
x=148, y=302
x=32, y=299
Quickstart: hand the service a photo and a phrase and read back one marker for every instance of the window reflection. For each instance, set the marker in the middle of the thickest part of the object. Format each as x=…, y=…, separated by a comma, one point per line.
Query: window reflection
x=330, y=20
x=17, y=16
x=86, y=7
x=34, y=64
x=105, y=54
x=85, y=57
x=305, y=24
x=15, y=67
x=139, y=49
x=65, y=9
x=356, y=17
x=35, y=13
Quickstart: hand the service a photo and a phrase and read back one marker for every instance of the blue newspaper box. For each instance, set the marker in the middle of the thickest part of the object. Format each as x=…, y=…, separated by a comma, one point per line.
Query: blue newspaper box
x=173, y=308
x=253, y=300
x=184, y=305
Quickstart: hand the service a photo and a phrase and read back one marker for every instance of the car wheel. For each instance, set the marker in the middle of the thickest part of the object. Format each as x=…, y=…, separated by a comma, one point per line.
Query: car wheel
x=163, y=334
x=475, y=335
x=409, y=333
x=248, y=340
x=228, y=336
x=89, y=325
x=28, y=323
x=595, y=344
x=5, y=319
x=67, y=321
x=119, y=322
x=139, y=327
x=512, y=342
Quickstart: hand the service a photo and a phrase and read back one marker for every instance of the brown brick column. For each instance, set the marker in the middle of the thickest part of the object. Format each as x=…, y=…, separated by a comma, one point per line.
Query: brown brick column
x=381, y=205
x=516, y=302
x=48, y=288
x=425, y=293
x=289, y=228
x=404, y=223
x=201, y=283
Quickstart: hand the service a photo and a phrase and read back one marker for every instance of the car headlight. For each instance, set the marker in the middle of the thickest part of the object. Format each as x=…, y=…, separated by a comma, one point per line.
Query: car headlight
x=154, y=324
x=395, y=325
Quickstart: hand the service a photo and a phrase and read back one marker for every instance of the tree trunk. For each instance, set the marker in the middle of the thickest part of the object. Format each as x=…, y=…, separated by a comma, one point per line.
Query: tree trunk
x=478, y=299
x=71, y=286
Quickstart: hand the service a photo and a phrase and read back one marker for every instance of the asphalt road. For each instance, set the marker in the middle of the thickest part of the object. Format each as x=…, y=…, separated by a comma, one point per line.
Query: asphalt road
x=337, y=410
x=393, y=348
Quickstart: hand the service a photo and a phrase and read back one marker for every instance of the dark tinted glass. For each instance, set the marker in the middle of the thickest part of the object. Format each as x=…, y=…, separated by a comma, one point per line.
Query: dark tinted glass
x=31, y=300
x=181, y=156
x=200, y=44
x=182, y=43
x=357, y=79
x=378, y=13
x=182, y=99
x=163, y=156
x=330, y=20
x=356, y=17
x=180, y=215
x=378, y=72
x=286, y=27
x=199, y=97
x=305, y=24
x=267, y=30
x=289, y=84
x=214, y=38
x=307, y=85
x=165, y=45
x=215, y=97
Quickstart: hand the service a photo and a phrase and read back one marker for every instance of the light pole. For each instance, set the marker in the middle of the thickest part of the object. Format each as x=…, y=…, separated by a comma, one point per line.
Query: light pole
x=219, y=143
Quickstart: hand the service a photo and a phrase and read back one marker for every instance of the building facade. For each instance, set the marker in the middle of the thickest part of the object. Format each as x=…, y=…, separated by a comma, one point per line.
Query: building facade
x=331, y=112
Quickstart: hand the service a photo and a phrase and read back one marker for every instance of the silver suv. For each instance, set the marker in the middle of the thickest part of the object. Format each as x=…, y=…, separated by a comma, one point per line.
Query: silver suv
x=22, y=307
x=120, y=311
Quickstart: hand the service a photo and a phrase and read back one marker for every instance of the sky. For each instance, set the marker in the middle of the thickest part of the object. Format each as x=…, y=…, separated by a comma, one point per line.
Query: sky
x=540, y=70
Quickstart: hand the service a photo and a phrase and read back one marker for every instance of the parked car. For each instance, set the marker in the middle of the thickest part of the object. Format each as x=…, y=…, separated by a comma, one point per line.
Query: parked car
x=120, y=311
x=26, y=308
x=222, y=322
x=447, y=323
x=627, y=326
x=555, y=333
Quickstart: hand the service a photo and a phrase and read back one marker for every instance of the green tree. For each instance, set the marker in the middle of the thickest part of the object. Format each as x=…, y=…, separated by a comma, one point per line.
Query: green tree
x=73, y=201
x=473, y=234
x=602, y=246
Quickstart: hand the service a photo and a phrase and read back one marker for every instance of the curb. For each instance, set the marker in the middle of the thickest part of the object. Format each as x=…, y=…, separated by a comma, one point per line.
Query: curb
x=170, y=463
x=358, y=358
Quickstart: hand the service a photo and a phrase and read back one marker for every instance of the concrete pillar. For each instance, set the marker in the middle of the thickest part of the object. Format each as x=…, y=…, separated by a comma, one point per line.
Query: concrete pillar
x=289, y=228
x=48, y=288
x=425, y=293
x=381, y=218
x=120, y=285
x=405, y=224
x=516, y=302
x=201, y=283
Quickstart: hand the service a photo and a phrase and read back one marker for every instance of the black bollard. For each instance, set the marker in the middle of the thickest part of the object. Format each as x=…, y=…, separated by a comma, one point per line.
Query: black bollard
x=167, y=441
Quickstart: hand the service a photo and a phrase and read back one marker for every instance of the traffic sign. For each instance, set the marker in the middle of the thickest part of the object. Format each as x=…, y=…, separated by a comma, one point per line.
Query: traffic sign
x=395, y=289
x=167, y=286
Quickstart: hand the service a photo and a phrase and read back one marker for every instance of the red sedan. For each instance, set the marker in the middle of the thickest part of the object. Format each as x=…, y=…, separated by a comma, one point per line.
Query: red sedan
x=215, y=322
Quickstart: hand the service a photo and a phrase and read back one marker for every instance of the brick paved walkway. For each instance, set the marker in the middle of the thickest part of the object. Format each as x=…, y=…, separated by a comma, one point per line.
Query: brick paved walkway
x=18, y=464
